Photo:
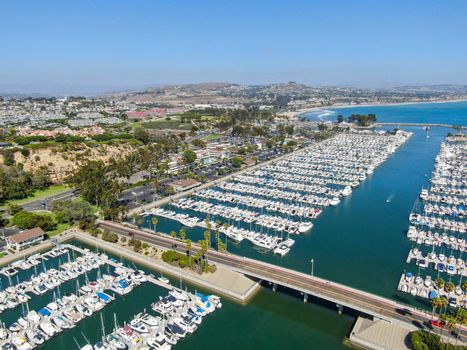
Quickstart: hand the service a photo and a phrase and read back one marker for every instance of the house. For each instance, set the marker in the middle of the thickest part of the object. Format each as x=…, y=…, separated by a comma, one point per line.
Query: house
x=25, y=239
x=184, y=184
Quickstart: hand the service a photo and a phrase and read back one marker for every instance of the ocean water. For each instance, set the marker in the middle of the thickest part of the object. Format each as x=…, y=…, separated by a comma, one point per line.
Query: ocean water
x=453, y=113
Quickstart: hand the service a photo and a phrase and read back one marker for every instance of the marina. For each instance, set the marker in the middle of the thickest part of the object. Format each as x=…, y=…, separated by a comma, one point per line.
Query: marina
x=34, y=328
x=366, y=232
x=438, y=228
x=270, y=205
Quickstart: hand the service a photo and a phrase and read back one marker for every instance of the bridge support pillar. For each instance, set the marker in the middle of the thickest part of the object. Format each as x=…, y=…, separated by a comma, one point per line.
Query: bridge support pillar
x=305, y=297
x=340, y=309
x=274, y=287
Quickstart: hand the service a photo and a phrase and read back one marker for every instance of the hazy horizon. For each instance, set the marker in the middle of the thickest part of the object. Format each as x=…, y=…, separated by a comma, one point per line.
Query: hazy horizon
x=87, y=46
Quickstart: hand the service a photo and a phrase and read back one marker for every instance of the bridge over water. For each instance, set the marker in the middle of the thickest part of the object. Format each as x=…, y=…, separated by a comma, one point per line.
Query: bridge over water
x=308, y=285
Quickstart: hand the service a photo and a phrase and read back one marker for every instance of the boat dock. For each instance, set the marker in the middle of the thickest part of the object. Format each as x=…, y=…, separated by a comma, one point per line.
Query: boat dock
x=106, y=260
x=340, y=295
x=36, y=327
x=225, y=282
x=451, y=268
x=427, y=289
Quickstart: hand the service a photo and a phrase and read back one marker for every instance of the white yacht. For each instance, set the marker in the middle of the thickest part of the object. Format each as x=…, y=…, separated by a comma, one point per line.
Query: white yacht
x=346, y=191
x=305, y=227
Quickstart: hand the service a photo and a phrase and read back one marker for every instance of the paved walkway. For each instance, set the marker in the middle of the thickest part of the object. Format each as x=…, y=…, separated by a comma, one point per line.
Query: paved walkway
x=224, y=281
x=380, y=335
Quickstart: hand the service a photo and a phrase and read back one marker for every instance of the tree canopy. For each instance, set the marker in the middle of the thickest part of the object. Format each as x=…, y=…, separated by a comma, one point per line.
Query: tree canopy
x=189, y=156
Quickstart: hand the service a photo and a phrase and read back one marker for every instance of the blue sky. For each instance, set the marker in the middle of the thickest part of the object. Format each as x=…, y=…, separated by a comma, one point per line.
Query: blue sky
x=148, y=42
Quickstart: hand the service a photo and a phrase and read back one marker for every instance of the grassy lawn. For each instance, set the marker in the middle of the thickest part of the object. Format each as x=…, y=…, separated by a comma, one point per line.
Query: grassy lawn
x=60, y=228
x=39, y=194
x=212, y=137
x=2, y=254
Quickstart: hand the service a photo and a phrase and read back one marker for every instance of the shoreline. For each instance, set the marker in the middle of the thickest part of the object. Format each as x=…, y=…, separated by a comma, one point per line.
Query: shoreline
x=342, y=106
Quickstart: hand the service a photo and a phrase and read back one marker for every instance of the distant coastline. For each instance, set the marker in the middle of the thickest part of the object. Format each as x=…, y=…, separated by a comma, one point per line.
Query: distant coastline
x=342, y=106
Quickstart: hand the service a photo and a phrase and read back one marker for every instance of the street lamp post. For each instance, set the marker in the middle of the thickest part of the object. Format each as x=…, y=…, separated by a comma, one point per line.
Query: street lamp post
x=312, y=266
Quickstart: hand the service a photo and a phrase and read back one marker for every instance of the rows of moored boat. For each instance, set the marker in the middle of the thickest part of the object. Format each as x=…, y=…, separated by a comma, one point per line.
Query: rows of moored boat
x=265, y=241
x=36, y=327
x=177, y=315
x=436, y=239
x=451, y=265
x=428, y=289
x=284, y=197
x=48, y=279
x=439, y=220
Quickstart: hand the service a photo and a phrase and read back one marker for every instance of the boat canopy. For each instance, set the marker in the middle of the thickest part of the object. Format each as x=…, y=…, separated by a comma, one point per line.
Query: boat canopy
x=44, y=312
x=103, y=296
x=433, y=294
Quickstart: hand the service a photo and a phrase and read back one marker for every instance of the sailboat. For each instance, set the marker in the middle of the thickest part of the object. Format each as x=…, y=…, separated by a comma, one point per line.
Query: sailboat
x=163, y=279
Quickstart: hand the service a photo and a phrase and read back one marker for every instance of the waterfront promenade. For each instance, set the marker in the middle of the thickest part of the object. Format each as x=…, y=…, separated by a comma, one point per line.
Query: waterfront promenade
x=343, y=296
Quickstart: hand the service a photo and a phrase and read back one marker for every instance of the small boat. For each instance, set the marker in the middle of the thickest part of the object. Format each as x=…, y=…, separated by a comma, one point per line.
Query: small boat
x=138, y=326
x=159, y=342
x=115, y=342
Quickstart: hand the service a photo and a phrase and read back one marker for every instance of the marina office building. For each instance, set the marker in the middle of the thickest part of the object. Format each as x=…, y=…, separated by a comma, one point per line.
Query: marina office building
x=25, y=239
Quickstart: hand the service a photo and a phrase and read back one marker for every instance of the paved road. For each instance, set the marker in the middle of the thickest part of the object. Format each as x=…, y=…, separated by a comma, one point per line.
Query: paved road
x=46, y=203
x=350, y=297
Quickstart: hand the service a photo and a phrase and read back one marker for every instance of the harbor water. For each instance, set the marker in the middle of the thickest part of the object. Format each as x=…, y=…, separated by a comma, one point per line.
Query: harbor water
x=361, y=243
x=276, y=320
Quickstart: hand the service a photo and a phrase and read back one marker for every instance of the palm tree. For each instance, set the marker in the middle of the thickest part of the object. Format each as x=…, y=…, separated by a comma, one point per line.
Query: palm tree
x=449, y=287
x=440, y=283
x=436, y=304
x=464, y=286
x=217, y=237
x=461, y=316
x=154, y=221
x=207, y=238
x=174, y=236
x=442, y=322
x=182, y=234
x=451, y=322
x=208, y=224
x=222, y=247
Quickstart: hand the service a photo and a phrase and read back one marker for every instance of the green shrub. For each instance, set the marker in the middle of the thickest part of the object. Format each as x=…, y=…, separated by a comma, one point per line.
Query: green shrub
x=109, y=237
x=422, y=340
x=28, y=220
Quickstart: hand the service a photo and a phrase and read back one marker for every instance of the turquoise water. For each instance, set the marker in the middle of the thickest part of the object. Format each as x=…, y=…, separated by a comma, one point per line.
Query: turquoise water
x=272, y=320
x=453, y=113
x=361, y=243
